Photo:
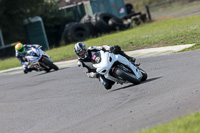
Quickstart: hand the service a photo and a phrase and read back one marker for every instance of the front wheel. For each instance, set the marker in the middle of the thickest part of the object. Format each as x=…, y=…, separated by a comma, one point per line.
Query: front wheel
x=50, y=64
x=127, y=76
x=144, y=74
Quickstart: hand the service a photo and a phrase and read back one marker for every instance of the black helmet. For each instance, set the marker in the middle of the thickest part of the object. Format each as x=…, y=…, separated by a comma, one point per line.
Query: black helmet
x=81, y=50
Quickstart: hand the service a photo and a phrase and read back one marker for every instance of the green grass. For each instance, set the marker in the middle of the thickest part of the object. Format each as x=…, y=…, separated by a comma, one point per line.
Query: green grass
x=170, y=32
x=9, y=63
x=187, y=124
x=177, y=8
x=197, y=46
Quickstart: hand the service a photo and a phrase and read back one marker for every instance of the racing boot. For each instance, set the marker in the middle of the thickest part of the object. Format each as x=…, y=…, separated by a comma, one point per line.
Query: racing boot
x=26, y=70
x=131, y=59
x=106, y=82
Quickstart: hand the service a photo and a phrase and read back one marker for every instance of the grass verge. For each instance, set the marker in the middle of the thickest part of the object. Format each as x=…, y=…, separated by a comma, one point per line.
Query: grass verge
x=187, y=124
x=169, y=32
x=197, y=46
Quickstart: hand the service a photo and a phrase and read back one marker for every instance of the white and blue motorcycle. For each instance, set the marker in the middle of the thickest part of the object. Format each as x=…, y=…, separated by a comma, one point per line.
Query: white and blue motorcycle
x=38, y=60
x=117, y=68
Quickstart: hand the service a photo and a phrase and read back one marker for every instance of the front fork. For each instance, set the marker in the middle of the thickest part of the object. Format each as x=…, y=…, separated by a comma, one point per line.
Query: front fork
x=42, y=62
x=135, y=69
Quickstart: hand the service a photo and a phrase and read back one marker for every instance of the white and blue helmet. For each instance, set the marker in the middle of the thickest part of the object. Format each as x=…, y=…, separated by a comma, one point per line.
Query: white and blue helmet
x=81, y=50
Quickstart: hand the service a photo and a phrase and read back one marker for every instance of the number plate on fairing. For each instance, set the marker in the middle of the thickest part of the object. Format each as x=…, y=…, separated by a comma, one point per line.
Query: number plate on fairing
x=96, y=58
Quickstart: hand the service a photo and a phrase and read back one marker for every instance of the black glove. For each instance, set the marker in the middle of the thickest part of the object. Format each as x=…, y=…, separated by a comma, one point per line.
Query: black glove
x=103, y=49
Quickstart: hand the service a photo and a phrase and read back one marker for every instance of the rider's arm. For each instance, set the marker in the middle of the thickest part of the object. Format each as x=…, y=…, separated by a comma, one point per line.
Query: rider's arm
x=24, y=64
x=80, y=65
x=97, y=48
x=113, y=49
x=19, y=58
x=106, y=47
x=33, y=45
x=22, y=61
x=87, y=71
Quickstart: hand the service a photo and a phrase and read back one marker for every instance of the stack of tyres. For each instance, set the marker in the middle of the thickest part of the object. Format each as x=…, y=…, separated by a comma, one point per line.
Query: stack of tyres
x=87, y=21
x=101, y=22
x=75, y=32
x=118, y=24
x=93, y=26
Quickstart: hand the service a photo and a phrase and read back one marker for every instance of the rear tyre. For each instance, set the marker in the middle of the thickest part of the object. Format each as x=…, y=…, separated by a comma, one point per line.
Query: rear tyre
x=127, y=76
x=47, y=70
x=50, y=64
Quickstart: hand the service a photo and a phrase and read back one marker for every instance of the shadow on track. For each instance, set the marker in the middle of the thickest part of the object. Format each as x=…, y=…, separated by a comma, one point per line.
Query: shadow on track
x=43, y=73
x=148, y=80
x=151, y=79
x=123, y=87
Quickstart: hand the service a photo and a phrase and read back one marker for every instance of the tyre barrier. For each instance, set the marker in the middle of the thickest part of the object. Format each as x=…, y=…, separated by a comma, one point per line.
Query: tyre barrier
x=118, y=24
x=75, y=32
x=87, y=21
x=99, y=23
x=137, y=21
x=129, y=8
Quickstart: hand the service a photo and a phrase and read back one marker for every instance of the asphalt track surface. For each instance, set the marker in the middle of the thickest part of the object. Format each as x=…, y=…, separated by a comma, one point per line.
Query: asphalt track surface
x=66, y=101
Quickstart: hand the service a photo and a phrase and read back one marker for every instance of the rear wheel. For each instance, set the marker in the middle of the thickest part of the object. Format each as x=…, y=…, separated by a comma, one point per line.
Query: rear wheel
x=127, y=76
x=47, y=70
x=50, y=64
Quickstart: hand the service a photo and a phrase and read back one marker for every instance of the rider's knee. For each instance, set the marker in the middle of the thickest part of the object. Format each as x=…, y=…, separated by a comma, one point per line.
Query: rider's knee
x=106, y=82
x=26, y=71
x=108, y=86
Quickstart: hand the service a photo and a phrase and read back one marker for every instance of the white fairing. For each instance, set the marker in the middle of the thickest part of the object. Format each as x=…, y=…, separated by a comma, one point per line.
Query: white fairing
x=34, y=55
x=107, y=61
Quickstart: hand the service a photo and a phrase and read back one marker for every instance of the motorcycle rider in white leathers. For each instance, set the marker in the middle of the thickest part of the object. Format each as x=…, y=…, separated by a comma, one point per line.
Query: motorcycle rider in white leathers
x=21, y=52
x=85, y=60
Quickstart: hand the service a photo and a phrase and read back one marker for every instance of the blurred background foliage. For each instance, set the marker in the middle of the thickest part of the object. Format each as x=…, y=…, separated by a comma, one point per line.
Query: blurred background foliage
x=13, y=12
x=140, y=4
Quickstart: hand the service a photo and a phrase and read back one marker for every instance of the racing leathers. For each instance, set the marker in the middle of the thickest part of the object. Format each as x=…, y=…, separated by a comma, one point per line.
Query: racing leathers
x=87, y=66
x=22, y=59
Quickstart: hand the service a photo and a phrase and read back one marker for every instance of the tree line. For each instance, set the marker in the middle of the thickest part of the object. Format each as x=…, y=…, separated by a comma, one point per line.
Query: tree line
x=13, y=12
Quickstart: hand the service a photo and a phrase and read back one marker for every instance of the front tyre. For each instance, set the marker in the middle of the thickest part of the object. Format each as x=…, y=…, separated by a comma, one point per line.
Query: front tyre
x=50, y=64
x=144, y=74
x=127, y=76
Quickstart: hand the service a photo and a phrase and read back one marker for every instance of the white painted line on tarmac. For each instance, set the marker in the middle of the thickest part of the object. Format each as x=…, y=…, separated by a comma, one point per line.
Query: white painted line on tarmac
x=10, y=70
x=162, y=50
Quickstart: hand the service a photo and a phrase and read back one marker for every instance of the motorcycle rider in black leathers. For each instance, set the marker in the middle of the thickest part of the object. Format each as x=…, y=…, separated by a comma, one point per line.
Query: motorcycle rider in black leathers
x=21, y=52
x=85, y=60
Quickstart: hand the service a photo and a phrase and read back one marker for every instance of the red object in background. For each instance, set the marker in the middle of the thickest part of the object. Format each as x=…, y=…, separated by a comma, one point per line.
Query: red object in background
x=113, y=6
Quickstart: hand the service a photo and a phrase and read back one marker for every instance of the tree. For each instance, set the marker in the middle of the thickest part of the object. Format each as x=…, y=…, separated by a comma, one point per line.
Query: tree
x=13, y=12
